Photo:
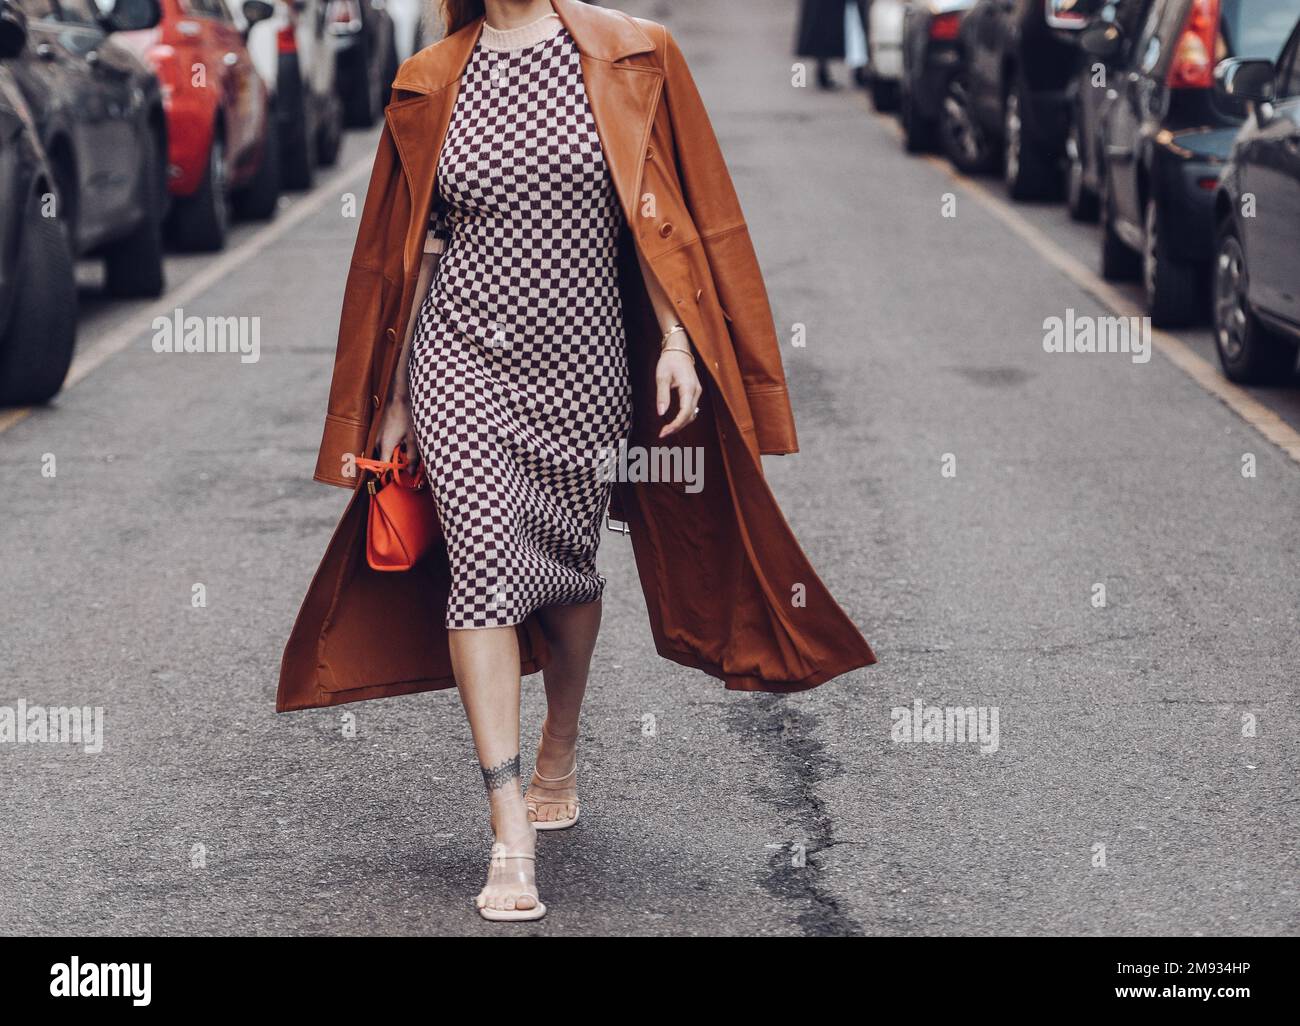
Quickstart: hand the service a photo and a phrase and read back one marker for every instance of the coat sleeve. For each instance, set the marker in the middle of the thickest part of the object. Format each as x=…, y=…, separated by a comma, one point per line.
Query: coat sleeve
x=351, y=408
x=733, y=265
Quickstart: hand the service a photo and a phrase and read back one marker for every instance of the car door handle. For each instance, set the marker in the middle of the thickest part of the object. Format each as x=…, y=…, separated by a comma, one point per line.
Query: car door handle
x=230, y=59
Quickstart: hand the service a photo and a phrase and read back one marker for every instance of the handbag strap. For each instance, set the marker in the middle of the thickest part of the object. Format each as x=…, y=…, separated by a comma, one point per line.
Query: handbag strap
x=392, y=468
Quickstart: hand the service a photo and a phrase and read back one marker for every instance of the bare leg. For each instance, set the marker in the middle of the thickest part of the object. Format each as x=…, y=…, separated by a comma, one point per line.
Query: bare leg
x=486, y=664
x=571, y=632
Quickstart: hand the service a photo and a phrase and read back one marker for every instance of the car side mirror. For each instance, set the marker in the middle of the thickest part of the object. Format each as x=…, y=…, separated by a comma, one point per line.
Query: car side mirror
x=1246, y=78
x=256, y=10
x=131, y=15
x=1102, y=39
x=13, y=30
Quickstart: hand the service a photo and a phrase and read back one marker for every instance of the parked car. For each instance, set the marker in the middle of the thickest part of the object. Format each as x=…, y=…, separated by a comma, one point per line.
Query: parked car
x=98, y=114
x=885, y=52
x=222, y=148
x=38, y=284
x=931, y=56
x=1165, y=139
x=367, y=58
x=1020, y=58
x=1257, y=208
x=1094, y=87
x=293, y=51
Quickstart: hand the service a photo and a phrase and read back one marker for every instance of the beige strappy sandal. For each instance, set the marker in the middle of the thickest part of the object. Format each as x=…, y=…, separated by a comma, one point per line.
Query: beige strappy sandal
x=537, y=794
x=517, y=915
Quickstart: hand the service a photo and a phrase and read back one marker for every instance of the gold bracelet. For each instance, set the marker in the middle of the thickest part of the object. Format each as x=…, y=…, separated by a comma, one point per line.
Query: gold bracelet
x=669, y=334
x=686, y=351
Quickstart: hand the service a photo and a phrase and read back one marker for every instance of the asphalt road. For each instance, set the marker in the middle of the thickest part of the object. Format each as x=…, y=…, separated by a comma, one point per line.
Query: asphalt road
x=1123, y=797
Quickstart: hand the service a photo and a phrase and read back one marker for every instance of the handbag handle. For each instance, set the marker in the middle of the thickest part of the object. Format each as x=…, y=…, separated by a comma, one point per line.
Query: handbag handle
x=392, y=468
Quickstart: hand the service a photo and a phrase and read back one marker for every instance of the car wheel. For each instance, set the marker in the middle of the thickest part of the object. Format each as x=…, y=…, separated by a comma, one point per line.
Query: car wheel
x=200, y=221
x=963, y=141
x=1082, y=202
x=1248, y=352
x=36, y=346
x=1028, y=172
x=1170, y=284
x=133, y=266
x=918, y=132
x=884, y=94
x=259, y=199
x=1118, y=262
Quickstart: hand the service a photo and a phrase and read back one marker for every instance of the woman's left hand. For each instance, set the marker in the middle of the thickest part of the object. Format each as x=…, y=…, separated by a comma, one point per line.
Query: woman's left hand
x=676, y=372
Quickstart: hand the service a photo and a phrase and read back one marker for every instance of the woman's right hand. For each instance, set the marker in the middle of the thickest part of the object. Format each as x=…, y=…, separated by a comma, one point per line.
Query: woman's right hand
x=397, y=430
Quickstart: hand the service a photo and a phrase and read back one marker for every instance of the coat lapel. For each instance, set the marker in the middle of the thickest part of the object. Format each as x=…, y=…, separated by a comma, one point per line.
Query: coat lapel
x=622, y=96
x=419, y=123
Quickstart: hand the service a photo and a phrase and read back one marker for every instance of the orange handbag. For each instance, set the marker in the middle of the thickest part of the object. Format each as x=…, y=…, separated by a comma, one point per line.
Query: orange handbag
x=403, y=524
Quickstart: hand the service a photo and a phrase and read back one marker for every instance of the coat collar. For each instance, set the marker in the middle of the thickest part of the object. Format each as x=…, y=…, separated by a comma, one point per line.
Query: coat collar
x=622, y=104
x=600, y=35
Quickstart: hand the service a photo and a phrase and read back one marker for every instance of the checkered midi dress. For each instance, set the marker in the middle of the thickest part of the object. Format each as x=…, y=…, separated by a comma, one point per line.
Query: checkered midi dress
x=518, y=371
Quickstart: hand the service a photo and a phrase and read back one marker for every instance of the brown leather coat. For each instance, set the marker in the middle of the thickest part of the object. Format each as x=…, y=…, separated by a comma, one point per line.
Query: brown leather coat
x=726, y=585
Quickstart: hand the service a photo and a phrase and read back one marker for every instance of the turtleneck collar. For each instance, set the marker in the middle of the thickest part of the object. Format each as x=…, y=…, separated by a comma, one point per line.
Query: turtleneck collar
x=523, y=36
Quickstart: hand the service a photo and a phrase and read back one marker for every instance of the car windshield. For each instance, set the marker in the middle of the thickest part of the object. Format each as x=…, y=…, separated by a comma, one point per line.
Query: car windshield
x=1255, y=28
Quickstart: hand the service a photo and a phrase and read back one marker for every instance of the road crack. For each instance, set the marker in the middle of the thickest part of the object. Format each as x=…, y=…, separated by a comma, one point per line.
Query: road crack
x=787, y=738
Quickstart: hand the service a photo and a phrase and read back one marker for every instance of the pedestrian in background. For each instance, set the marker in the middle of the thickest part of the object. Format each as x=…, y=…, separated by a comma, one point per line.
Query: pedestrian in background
x=821, y=35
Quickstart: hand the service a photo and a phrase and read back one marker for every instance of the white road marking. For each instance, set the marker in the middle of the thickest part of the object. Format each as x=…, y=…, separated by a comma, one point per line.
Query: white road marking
x=124, y=334
x=1178, y=352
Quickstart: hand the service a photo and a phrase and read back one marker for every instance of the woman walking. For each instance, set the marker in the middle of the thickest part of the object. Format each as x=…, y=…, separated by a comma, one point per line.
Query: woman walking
x=820, y=35
x=547, y=245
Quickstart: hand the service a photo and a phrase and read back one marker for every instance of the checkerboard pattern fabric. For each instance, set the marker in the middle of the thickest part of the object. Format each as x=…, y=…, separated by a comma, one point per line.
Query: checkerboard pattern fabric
x=518, y=372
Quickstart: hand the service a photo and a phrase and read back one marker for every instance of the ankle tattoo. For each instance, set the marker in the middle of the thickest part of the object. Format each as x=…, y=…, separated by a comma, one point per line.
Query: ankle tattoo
x=499, y=776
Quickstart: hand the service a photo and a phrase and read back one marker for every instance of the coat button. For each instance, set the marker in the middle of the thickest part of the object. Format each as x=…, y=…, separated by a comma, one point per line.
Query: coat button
x=392, y=335
x=666, y=229
x=650, y=153
x=375, y=400
x=698, y=294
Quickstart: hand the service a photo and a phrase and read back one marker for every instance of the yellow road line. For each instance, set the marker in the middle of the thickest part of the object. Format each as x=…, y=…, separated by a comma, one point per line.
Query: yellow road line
x=137, y=323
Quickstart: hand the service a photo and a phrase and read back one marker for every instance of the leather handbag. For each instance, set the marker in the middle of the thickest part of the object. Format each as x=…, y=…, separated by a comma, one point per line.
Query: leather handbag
x=402, y=527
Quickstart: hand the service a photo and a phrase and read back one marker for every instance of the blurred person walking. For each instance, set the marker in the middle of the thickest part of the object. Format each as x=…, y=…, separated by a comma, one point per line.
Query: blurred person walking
x=823, y=34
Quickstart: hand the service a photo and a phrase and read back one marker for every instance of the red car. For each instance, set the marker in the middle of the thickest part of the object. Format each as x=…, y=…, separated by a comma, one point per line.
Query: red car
x=221, y=135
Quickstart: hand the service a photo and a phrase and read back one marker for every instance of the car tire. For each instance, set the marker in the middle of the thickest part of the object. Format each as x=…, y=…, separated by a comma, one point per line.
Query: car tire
x=1118, y=261
x=1171, y=285
x=1082, y=202
x=964, y=142
x=884, y=94
x=1249, y=352
x=1028, y=172
x=919, y=133
x=200, y=221
x=36, y=346
x=259, y=200
x=133, y=266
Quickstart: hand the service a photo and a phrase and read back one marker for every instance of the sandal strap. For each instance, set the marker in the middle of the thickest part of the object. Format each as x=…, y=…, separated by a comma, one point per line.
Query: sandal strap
x=512, y=855
x=558, y=780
